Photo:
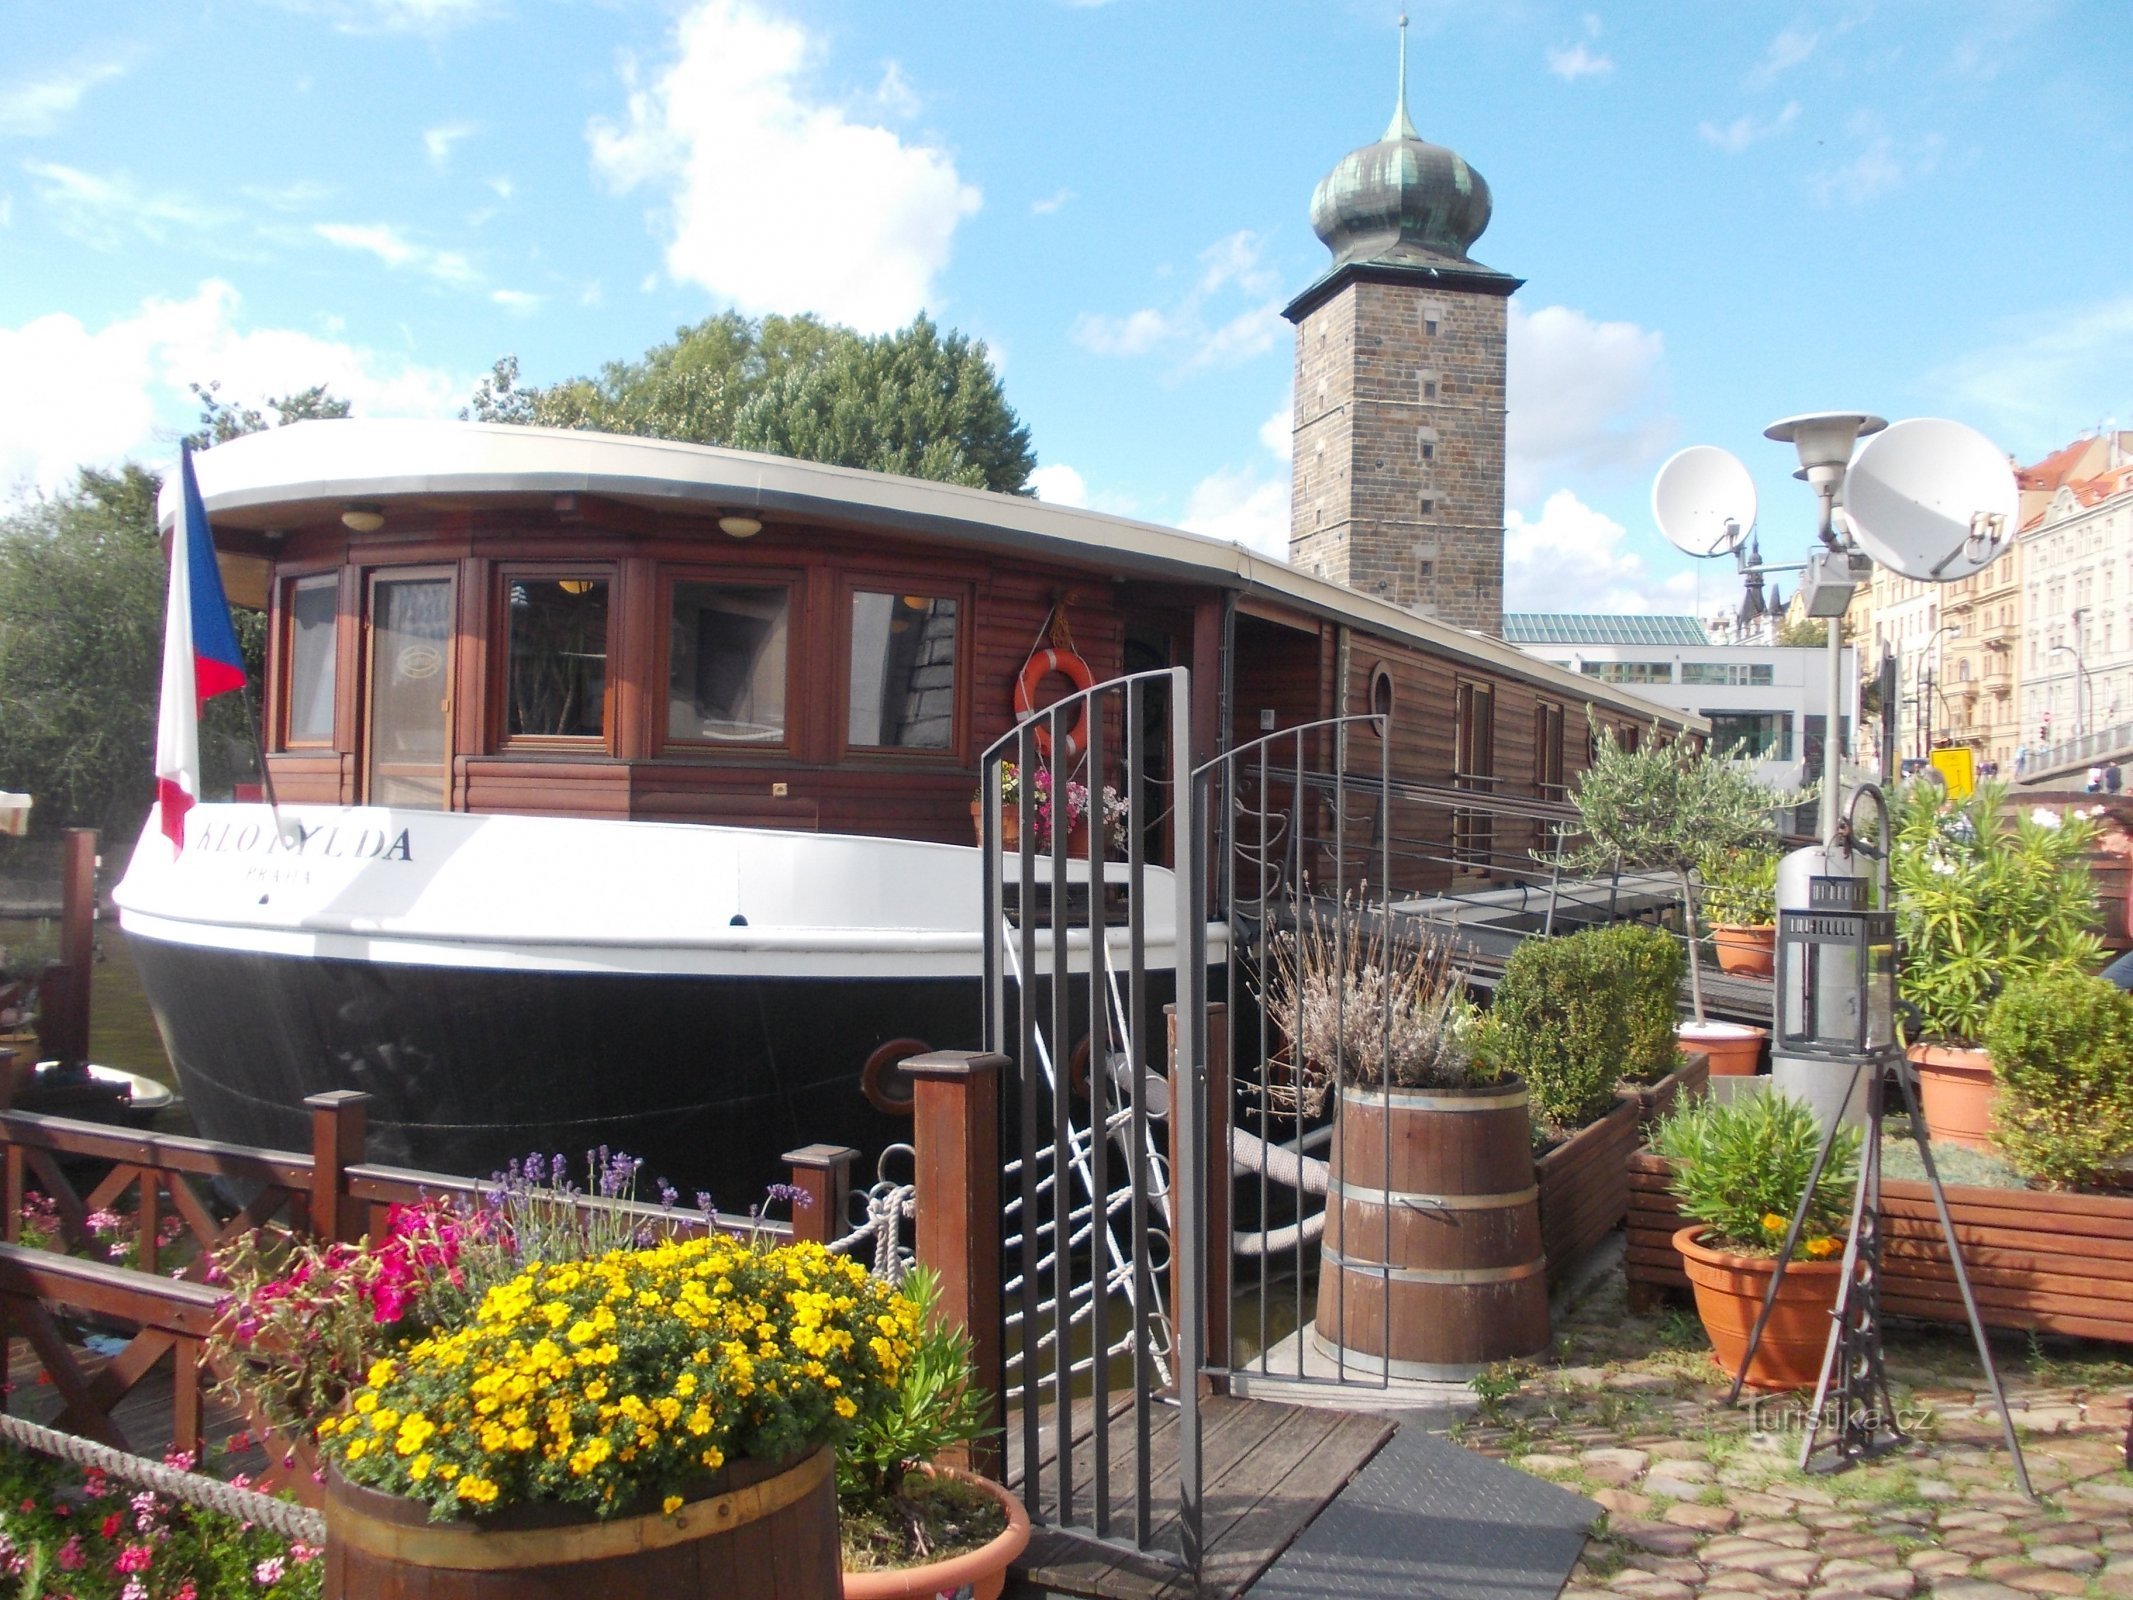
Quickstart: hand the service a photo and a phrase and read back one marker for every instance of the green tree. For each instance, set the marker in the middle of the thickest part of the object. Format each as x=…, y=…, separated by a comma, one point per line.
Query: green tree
x=1803, y=631
x=223, y=420
x=918, y=402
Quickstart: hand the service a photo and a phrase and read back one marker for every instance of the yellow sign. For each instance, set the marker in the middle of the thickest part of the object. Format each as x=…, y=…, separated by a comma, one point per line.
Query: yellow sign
x=1957, y=767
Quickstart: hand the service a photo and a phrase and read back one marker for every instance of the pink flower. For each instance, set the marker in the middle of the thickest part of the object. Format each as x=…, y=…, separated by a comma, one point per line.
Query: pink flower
x=267, y=1572
x=303, y=1554
x=70, y=1557
x=134, y=1558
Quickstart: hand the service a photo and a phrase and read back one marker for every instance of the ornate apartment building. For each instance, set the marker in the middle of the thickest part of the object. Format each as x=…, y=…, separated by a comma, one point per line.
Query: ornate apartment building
x=2075, y=656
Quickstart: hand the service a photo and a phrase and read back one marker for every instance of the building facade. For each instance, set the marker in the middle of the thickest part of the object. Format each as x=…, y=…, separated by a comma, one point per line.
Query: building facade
x=2075, y=651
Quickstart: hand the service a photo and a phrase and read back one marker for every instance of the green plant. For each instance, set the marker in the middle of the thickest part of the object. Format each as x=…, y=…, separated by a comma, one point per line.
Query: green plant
x=1575, y=1015
x=1493, y=1385
x=1740, y=1167
x=1661, y=807
x=1983, y=898
x=1369, y=998
x=2062, y=1047
x=1739, y=886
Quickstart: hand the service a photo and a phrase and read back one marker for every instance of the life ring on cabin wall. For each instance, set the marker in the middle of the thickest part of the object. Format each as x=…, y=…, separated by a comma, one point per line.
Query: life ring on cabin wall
x=1041, y=665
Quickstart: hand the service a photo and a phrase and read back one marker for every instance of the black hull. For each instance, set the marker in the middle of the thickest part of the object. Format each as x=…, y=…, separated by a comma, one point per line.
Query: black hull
x=709, y=1079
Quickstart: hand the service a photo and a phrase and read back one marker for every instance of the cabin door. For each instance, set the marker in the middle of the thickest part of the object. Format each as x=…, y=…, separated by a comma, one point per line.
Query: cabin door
x=408, y=684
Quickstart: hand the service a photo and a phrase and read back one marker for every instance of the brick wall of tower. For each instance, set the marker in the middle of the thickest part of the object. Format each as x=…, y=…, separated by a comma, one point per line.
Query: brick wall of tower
x=1399, y=447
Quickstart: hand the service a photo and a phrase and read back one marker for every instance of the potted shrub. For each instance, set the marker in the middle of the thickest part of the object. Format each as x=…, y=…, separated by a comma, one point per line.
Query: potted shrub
x=1739, y=892
x=1662, y=808
x=1739, y=1168
x=912, y=1526
x=1431, y=1265
x=2061, y=1045
x=1575, y=1018
x=1984, y=897
x=1077, y=812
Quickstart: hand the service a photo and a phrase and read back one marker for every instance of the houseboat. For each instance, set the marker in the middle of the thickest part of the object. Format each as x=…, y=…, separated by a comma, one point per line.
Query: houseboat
x=624, y=787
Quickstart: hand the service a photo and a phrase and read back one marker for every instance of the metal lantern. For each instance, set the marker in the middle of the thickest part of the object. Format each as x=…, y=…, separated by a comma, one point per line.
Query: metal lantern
x=1836, y=962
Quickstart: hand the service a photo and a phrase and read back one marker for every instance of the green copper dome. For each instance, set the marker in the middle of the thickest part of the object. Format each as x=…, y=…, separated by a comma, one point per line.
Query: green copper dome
x=1402, y=201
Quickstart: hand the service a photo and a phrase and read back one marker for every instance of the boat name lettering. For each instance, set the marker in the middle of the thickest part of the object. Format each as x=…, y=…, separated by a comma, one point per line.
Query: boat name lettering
x=328, y=840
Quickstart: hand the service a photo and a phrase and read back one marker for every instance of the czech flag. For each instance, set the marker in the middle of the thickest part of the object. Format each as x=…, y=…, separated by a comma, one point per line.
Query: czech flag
x=200, y=655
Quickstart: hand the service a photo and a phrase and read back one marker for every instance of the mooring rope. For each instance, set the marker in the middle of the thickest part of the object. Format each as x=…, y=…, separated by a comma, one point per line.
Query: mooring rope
x=194, y=1488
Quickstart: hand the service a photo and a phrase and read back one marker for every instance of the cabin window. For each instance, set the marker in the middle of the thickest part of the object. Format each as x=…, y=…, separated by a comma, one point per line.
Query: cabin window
x=556, y=686
x=311, y=608
x=1548, y=751
x=1474, y=767
x=726, y=655
x=903, y=672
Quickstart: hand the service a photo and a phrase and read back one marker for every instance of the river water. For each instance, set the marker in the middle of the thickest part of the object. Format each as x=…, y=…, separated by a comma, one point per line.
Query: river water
x=122, y=1033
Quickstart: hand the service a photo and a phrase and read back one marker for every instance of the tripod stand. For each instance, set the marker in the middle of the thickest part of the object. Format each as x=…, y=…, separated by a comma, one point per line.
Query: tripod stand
x=1836, y=960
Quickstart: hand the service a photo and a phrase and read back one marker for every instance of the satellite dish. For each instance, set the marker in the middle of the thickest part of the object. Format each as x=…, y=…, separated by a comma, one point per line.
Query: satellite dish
x=1704, y=501
x=1931, y=499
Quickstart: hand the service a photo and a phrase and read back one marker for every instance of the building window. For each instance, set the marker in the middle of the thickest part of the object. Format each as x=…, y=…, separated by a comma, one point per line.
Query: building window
x=1758, y=735
x=312, y=612
x=726, y=663
x=1429, y=386
x=1474, y=767
x=556, y=683
x=1548, y=751
x=1727, y=674
x=903, y=672
x=1629, y=671
x=1429, y=505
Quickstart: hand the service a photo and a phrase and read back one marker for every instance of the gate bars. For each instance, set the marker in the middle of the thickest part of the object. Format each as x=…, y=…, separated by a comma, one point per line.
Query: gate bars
x=1068, y=1273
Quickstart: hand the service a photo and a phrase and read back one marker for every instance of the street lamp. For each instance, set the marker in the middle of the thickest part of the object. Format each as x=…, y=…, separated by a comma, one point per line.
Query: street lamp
x=1925, y=700
x=2081, y=701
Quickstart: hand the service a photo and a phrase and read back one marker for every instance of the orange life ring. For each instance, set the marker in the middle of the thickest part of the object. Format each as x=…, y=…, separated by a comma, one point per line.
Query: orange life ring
x=1041, y=665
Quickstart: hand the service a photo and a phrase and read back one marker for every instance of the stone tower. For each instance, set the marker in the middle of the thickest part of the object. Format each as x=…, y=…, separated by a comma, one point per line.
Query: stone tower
x=1399, y=433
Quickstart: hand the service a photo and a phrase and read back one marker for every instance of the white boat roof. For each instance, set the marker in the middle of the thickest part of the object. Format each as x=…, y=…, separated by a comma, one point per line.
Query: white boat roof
x=311, y=470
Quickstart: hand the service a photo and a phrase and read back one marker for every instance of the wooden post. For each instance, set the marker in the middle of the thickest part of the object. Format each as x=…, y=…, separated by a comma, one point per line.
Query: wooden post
x=822, y=1172
x=1211, y=1166
x=63, y=1009
x=955, y=1132
x=338, y=1119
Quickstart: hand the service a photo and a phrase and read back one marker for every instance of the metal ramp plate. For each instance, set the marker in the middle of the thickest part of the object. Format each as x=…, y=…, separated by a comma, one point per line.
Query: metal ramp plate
x=1427, y=1520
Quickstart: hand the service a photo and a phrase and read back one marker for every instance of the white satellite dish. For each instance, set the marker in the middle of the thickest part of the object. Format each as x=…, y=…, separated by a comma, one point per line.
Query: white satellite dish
x=1704, y=501
x=1931, y=499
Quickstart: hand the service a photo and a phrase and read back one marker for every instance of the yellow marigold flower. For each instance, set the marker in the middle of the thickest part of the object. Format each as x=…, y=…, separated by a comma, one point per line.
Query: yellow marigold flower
x=1773, y=1223
x=844, y=1407
x=384, y=1420
x=366, y=1402
x=1824, y=1247
x=671, y=1504
x=419, y=1468
x=381, y=1372
x=714, y=1458
x=479, y=1490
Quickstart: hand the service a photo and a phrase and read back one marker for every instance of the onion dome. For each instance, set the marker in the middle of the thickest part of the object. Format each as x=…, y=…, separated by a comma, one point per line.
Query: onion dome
x=1402, y=201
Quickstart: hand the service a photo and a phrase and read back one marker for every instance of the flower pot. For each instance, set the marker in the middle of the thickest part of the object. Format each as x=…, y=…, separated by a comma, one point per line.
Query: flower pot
x=1729, y=1296
x=1011, y=832
x=1432, y=1265
x=760, y=1527
x=983, y=1570
x=1957, y=1091
x=1747, y=950
x=1736, y=1050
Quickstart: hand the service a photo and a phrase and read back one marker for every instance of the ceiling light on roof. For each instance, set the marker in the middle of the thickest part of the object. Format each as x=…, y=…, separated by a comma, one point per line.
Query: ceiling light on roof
x=740, y=526
x=363, y=517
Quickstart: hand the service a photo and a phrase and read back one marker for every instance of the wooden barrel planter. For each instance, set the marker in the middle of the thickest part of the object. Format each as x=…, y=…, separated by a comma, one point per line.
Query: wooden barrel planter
x=761, y=1531
x=1432, y=1263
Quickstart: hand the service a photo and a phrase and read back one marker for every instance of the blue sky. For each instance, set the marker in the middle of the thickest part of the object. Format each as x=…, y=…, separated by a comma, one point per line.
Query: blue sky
x=1724, y=215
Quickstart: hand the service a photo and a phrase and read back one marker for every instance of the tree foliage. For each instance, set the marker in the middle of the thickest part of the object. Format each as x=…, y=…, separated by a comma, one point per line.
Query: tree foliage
x=919, y=402
x=223, y=420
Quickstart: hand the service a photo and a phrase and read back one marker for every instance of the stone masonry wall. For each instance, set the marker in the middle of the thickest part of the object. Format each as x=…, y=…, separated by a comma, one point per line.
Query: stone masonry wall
x=1399, y=448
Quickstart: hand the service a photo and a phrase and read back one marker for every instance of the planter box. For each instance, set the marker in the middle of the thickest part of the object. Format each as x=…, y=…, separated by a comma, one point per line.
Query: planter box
x=1584, y=1186
x=1655, y=1100
x=2055, y=1263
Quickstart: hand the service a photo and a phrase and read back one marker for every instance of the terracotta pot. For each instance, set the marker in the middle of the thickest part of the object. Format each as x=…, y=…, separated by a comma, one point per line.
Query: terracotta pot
x=1958, y=1092
x=1736, y=1050
x=984, y=1569
x=1747, y=950
x=1729, y=1294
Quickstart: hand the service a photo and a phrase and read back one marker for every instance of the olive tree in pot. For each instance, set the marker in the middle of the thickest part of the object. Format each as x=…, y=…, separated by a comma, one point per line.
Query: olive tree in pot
x=1985, y=895
x=1431, y=1265
x=1661, y=808
x=1739, y=891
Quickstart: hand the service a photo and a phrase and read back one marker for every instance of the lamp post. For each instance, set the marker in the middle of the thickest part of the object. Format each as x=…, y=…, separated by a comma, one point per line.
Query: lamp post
x=2082, y=700
x=1926, y=657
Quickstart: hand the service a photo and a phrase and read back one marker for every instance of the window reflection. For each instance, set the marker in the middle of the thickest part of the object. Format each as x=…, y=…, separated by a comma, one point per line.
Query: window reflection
x=726, y=663
x=558, y=678
x=903, y=672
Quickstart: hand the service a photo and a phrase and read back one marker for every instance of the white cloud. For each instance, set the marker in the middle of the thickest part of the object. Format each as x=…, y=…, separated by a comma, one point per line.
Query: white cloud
x=82, y=396
x=1059, y=485
x=864, y=222
x=106, y=212
x=1792, y=46
x=38, y=105
x=504, y=188
x=1579, y=62
x=519, y=302
x=1573, y=558
x=894, y=96
x=1881, y=165
x=1231, y=268
x=386, y=242
x=1745, y=130
x=1239, y=505
x=438, y=141
x=1051, y=203
x=1278, y=432
x=1585, y=397
x=2046, y=377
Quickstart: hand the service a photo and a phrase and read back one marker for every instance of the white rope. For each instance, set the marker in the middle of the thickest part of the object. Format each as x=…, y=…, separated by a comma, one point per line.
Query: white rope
x=245, y=1505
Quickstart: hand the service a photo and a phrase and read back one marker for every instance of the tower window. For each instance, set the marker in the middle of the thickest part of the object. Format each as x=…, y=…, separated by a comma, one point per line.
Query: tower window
x=1429, y=450
x=1429, y=505
x=1429, y=386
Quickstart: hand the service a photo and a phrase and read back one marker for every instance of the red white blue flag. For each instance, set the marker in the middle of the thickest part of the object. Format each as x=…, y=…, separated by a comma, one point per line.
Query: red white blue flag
x=200, y=655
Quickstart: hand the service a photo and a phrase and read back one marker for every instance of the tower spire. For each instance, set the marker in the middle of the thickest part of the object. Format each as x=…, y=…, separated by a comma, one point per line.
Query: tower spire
x=1400, y=127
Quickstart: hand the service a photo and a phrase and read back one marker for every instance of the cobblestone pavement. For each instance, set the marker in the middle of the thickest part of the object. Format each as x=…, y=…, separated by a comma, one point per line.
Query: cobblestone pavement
x=1702, y=1499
